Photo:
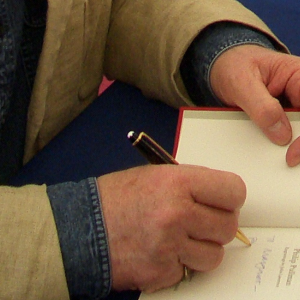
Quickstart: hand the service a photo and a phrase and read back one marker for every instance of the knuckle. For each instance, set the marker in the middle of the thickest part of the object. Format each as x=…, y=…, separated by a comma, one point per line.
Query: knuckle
x=173, y=178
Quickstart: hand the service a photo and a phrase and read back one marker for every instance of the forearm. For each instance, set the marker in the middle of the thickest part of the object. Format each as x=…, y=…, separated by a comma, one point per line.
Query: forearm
x=30, y=256
x=148, y=39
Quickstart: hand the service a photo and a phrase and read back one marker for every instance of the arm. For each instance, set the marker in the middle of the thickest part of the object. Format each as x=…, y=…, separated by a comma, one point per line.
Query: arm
x=30, y=257
x=37, y=262
x=172, y=29
x=39, y=231
x=160, y=34
x=53, y=242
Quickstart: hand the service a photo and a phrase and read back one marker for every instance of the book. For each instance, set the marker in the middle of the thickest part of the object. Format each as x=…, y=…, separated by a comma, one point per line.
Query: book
x=269, y=269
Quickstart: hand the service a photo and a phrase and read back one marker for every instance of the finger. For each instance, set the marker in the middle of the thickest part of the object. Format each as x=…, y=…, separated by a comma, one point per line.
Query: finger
x=293, y=153
x=201, y=255
x=220, y=189
x=293, y=89
x=285, y=78
x=207, y=223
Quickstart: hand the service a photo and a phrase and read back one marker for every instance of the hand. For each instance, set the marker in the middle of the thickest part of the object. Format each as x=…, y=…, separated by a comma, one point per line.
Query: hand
x=160, y=218
x=252, y=77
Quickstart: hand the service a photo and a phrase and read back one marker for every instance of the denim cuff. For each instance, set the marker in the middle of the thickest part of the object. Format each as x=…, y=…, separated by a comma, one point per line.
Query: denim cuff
x=83, y=238
x=206, y=48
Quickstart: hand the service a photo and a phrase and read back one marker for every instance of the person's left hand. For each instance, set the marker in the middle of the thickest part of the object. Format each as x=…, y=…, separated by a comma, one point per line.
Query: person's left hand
x=253, y=77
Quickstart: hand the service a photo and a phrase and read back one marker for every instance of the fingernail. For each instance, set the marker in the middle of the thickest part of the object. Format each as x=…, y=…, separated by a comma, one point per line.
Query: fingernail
x=280, y=132
x=276, y=127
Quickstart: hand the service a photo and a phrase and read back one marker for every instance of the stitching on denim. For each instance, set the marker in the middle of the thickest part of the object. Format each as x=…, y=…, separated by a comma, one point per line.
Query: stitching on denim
x=101, y=235
x=81, y=210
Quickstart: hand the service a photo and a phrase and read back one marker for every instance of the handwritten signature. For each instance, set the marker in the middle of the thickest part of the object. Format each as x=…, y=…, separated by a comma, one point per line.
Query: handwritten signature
x=261, y=266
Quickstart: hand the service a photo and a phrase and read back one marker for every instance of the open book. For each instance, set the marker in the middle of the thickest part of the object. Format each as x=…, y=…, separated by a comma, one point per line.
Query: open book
x=270, y=268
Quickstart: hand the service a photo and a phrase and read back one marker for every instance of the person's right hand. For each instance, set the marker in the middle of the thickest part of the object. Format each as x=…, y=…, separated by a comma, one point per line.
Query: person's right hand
x=161, y=218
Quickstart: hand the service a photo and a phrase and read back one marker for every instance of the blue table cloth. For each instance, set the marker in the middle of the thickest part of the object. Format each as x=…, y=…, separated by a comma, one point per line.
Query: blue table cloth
x=282, y=16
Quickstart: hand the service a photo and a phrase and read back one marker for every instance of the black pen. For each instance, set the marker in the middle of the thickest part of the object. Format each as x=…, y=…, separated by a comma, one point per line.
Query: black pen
x=155, y=154
x=152, y=151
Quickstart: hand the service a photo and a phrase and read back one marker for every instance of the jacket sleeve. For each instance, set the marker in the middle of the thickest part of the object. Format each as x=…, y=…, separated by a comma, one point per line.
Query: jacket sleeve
x=147, y=40
x=30, y=258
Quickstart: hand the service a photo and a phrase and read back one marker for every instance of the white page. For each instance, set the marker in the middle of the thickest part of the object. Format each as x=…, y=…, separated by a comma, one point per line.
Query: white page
x=269, y=269
x=230, y=141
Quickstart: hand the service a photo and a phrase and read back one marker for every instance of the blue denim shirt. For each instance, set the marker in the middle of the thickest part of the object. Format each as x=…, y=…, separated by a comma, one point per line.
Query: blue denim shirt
x=77, y=206
x=23, y=26
x=83, y=240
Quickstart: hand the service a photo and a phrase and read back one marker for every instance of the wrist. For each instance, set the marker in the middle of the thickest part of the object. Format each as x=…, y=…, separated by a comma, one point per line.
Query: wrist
x=206, y=48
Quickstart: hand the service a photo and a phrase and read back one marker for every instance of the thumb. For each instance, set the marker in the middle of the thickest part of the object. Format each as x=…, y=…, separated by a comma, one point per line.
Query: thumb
x=266, y=112
x=237, y=78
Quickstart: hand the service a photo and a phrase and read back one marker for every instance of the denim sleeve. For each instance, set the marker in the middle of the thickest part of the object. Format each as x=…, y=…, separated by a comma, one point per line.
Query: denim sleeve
x=83, y=238
x=206, y=48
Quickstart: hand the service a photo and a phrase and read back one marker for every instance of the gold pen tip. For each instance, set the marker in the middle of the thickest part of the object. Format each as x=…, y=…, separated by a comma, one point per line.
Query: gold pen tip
x=242, y=237
x=248, y=243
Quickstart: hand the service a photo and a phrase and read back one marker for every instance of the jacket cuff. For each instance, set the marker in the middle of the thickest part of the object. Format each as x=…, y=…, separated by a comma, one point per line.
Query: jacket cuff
x=83, y=238
x=206, y=48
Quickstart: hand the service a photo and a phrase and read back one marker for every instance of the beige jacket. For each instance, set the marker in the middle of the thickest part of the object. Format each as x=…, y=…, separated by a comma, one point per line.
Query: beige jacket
x=137, y=41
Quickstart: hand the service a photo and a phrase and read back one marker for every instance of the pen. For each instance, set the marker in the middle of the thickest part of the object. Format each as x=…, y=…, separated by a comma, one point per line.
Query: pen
x=155, y=154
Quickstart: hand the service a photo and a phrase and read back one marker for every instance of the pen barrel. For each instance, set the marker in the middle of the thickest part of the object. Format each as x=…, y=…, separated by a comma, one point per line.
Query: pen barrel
x=154, y=153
